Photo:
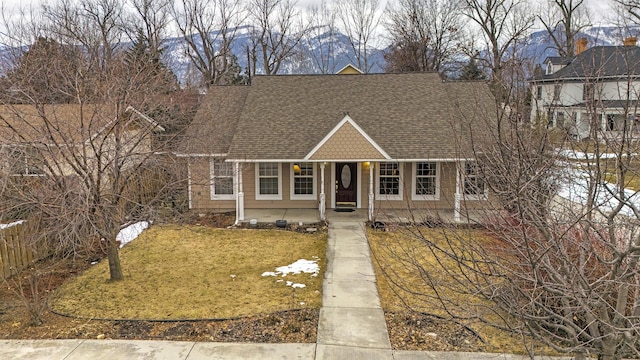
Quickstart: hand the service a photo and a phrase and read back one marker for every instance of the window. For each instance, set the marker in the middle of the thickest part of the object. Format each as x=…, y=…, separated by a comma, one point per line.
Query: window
x=560, y=119
x=426, y=184
x=587, y=92
x=303, y=183
x=539, y=92
x=268, y=184
x=557, y=89
x=549, y=68
x=222, y=179
x=474, y=185
x=26, y=161
x=611, y=123
x=389, y=181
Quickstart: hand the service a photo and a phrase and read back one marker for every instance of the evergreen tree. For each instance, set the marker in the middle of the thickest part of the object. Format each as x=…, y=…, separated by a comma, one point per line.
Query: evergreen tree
x=44, y=73
x=471, y=71
x=142, y=62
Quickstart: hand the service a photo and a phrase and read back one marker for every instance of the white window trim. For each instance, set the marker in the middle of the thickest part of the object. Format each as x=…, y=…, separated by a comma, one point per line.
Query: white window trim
x=313, y=196
x=483, y=196
x=414, y=187
x=277, y=196
x=212, y=184
x=400, y=186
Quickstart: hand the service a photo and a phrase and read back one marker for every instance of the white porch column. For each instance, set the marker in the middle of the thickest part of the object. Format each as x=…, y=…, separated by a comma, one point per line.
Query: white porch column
x=371, y=205
x=240, y=194
x=458, y=194
x=323, y=202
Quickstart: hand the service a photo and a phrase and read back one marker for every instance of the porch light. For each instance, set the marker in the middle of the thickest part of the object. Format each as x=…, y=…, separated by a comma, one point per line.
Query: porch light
x=366, y=165
x=296, y=168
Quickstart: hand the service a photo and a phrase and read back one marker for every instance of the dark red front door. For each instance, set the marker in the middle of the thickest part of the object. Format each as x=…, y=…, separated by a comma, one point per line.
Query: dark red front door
x=346, y=184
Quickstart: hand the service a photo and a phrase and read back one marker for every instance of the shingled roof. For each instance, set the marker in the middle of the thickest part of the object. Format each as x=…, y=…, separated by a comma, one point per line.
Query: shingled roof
x=599, y=62
x=410, y=116
x=58, y=123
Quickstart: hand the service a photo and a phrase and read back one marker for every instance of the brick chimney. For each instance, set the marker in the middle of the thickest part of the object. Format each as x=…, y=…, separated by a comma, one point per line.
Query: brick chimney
x=630, y=41
x=581, y=45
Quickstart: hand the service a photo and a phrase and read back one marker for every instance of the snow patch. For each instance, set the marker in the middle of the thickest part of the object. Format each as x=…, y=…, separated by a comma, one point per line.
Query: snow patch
x=577, y=190
x=11, y=224
x=579, y=155
x=300, y=266
x=131, y=232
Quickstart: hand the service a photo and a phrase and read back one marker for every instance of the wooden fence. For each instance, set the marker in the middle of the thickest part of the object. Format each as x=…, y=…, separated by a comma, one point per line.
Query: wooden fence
x=16, y=253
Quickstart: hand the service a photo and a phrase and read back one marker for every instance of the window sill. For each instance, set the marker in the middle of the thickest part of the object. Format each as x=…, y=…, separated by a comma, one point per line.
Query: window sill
x=484, y=197
x=425, y=197
x=389, y=197
x=268, y=197
x=304, y=197
x=223, y=197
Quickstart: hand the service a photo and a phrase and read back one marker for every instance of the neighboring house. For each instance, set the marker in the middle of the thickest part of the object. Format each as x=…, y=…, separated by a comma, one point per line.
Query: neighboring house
x=595, y=90
x=328, y=141
x=52, y=139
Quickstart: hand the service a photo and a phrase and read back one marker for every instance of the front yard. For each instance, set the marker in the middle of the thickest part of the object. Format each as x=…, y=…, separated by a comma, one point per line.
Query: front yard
x=199, y=273
x=415, y=314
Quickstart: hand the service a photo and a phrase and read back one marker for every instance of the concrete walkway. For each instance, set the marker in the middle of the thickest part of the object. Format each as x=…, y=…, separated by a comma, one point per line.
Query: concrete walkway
x=351, y=324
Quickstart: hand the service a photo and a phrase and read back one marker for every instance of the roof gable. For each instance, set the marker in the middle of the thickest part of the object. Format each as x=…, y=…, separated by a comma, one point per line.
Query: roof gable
x=347, y=141
x=349, y=69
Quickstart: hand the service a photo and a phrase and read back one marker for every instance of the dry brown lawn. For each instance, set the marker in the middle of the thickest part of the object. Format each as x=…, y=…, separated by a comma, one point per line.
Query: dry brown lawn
x=402, y=287
x=195, y=272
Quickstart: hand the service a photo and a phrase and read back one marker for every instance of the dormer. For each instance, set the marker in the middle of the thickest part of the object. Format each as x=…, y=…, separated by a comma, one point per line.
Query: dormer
x=553, y=64
x=349, y=69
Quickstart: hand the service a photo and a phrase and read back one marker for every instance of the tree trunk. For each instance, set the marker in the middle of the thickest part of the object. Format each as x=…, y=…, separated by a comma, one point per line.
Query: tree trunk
x=115, y=269
x=609, y=349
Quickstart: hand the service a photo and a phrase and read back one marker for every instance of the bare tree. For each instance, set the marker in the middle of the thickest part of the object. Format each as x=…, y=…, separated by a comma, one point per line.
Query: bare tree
x=359, y=19
x=320, y=38
x=560, y=264
x=89, y=150
x=209, y=29
x=630, y=10
x=97, y=26
x=277, y=30
x=426, y=35
x=502, y=24
x=563, y=21
x=152, y=19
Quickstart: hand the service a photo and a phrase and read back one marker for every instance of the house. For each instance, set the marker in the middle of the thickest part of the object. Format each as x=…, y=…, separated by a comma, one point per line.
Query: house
x=595, y=90
x=374, y=141
x=70, y=139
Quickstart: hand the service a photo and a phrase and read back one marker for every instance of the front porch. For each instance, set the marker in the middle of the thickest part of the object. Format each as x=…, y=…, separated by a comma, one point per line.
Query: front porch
x=312, y=216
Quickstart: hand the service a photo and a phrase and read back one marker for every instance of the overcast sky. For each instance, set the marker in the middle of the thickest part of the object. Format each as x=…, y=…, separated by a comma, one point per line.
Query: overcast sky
x=601, y=10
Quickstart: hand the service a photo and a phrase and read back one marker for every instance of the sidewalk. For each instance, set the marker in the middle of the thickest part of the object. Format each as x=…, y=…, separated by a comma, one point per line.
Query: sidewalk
x=182, y=350
x=351, y=325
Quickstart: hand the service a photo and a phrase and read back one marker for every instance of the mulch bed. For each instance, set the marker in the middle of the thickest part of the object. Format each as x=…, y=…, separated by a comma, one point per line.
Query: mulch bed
x=414, y=331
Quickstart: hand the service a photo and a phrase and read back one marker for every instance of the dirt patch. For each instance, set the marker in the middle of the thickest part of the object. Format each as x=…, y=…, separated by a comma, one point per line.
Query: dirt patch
x=218, y=220
x=413, y=331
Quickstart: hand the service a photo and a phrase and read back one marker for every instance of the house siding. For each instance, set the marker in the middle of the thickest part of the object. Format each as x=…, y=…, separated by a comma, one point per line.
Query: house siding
x=201, y=192
x=250, y=202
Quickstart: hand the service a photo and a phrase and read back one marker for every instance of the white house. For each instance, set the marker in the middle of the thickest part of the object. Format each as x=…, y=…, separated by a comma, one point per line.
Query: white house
x=595, y=90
